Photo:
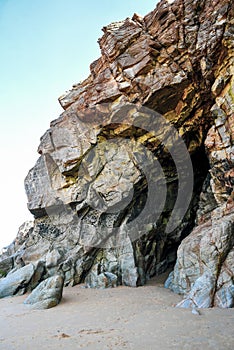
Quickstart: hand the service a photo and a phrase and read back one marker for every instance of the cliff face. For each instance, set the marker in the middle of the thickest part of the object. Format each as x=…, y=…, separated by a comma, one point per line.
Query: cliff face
x=141, y=158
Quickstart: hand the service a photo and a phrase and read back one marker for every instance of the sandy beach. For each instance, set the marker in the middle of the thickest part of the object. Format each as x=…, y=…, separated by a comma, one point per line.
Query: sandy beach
x=119, y=318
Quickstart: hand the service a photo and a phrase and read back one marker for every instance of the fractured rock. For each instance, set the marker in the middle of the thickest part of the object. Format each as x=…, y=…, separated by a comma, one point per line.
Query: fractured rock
x=16, y=282
x=105, y=188
x=47, y=294
x=103, y=280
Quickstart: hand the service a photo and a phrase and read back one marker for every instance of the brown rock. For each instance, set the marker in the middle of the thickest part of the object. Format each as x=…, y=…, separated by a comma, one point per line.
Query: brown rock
x=97, y=170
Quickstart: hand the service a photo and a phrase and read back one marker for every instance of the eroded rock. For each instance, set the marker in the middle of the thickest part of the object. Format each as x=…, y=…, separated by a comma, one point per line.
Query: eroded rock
x=47, y=294
x=97, y=171
x=16, y=282
x=207, y=250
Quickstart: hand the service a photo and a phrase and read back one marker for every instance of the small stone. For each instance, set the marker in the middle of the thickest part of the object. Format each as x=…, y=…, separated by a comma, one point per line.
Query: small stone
x=195, y=311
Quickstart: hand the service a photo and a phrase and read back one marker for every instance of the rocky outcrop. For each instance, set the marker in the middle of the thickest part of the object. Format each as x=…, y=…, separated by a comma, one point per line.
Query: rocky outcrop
x=205, y=265
x=141, y=160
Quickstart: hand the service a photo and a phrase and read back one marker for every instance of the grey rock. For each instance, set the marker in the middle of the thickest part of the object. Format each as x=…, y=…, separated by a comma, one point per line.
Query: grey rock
x=201, y=294
x=128, y=266
x=47, y=294
x=16, y=283
x=224, y=296
x=6, y=265
x=90, y=183
x=197, y=271
x=169, y=281
x=102, y=281
x=37, y=276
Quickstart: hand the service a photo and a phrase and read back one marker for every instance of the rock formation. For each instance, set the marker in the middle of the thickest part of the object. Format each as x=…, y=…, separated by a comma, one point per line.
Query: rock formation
x=47, y=294
x=104, y=191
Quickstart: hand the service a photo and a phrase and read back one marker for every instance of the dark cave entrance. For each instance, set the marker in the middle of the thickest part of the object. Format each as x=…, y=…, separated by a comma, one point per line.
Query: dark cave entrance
x=156, y=251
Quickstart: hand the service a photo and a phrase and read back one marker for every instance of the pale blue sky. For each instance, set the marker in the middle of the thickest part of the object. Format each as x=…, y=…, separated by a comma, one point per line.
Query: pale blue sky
x=46, y=47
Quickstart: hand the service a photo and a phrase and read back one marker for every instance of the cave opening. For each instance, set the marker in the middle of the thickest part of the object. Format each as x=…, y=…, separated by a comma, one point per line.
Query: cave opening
x=156, y=251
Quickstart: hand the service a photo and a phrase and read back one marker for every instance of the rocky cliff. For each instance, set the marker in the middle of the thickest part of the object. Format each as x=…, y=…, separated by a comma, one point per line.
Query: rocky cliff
x=136, y=175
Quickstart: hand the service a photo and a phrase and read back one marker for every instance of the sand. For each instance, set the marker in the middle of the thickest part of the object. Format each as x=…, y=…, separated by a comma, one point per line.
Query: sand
x=119, y=318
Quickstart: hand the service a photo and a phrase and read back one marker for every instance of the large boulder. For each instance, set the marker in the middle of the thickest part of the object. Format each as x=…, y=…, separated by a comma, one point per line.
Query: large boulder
x=47, y=294
x=16, y=282
x=204, y=269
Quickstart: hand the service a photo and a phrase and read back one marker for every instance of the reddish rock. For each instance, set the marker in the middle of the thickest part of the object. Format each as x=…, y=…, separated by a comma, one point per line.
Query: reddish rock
x=178, y=62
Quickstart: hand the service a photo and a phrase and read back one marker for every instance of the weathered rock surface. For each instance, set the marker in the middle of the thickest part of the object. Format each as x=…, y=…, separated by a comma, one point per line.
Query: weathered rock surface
x=105, y=189
x=204, y=268
x=205, y=265
x=47, y=294
x=16, y=282
x=102, y=280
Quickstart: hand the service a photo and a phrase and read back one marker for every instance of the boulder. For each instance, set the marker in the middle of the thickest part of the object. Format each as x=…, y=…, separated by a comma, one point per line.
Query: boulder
x=47, y=294
x=16, y=282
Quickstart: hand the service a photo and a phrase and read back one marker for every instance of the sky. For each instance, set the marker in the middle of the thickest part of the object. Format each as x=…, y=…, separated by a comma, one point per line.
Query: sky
x=46, y=47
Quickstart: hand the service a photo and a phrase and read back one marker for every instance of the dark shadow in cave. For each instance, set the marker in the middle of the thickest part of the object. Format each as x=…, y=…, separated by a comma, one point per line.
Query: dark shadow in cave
x=155, y=252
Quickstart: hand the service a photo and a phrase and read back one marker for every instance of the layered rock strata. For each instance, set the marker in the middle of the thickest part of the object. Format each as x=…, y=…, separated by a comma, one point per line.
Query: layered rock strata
x=163, y=81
